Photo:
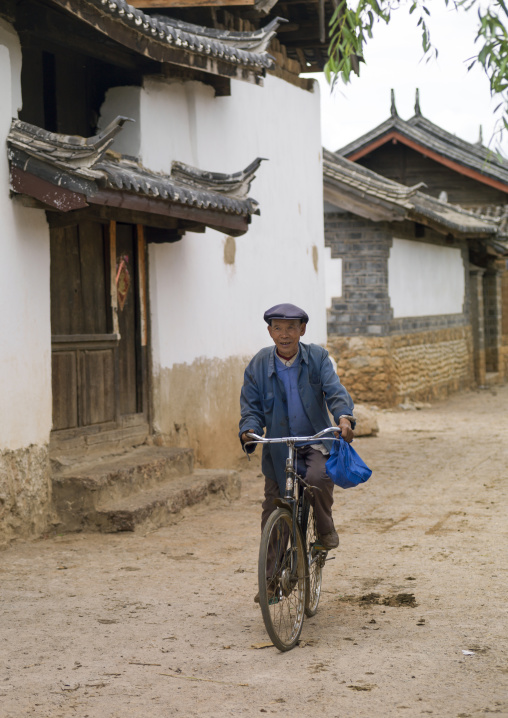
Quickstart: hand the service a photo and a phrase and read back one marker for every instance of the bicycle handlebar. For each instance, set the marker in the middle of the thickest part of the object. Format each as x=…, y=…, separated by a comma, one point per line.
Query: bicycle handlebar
x=293, y=439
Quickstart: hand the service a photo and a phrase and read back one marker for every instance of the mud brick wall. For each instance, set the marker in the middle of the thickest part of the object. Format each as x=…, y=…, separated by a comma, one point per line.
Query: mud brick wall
x=422, y=366
x=25, y=493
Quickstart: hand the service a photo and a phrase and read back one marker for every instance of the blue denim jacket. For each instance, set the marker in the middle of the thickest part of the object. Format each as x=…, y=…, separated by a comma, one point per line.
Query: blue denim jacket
x=263, y=401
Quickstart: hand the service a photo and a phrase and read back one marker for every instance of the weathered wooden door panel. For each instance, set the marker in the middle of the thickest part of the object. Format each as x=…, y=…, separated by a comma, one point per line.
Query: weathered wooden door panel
x=97, y=375
x=65, y=390
x=97, y=293
x=79, y=301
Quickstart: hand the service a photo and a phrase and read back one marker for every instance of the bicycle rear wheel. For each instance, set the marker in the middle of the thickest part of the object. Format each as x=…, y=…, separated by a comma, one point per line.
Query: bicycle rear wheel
x=315, y=560
x=281, y=576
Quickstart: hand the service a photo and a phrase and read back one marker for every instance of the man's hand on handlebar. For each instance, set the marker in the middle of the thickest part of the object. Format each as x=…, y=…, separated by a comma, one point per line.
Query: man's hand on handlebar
x=244, y=436
x=346, y=430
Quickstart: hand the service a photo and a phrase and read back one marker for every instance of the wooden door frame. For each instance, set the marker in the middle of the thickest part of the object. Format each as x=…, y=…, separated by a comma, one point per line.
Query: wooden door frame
x=80, y=437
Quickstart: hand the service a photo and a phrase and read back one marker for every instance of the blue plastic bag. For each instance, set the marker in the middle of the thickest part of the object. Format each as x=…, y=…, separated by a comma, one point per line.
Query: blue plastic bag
x=345, y=467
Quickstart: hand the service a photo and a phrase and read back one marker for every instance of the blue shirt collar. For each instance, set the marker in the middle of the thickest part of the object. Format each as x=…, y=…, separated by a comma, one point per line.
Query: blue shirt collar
x=303, y=352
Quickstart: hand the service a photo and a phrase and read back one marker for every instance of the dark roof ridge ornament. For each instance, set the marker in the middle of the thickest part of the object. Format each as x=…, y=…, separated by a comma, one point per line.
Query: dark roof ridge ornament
x=418, y=110
x=64, y=150
x=393, y=108
x=234, y=185
x=68, y=172
x=480, y=137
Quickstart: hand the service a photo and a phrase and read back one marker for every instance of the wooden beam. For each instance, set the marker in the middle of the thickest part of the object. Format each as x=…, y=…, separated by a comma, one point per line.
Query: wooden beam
x=62, y=199
x=104, y=214
x=143, y=314
x=112, y=277
x=111, y=205
x=189, y=3
x=210, y=218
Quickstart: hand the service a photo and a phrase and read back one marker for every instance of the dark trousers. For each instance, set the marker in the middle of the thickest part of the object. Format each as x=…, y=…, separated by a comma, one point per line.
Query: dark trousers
x=322, y=498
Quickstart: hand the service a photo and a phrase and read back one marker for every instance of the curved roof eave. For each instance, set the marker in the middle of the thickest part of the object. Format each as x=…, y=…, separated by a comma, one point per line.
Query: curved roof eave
x=243, y=55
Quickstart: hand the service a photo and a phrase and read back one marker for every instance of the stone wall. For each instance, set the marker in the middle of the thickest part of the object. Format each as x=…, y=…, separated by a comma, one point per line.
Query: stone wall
x=421, y=366
x=25, y=493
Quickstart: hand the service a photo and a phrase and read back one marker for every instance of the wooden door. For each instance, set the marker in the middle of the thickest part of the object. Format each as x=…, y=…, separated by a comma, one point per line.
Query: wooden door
x=129, y=349
x=98, y=326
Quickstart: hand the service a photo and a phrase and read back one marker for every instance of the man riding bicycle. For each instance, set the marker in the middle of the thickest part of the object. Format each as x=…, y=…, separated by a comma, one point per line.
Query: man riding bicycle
x=287, y=389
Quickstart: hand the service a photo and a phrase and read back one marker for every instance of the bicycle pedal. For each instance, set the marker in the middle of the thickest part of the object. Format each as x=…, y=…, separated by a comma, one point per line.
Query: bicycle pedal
x=319, y=547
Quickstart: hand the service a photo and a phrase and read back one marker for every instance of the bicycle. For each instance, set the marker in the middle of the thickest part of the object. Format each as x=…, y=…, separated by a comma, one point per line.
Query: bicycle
x=290, y=567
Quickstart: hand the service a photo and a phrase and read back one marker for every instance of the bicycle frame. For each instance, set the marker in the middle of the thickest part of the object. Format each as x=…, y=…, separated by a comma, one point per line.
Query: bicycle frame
x=293, y=480
x=290, y=554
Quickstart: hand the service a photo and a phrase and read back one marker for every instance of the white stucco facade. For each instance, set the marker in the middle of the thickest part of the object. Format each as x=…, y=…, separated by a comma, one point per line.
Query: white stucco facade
x=25, y=348
x=215, y=309
x=425, y=279
x=207, y=303
x=208, y=292
x=333, y=277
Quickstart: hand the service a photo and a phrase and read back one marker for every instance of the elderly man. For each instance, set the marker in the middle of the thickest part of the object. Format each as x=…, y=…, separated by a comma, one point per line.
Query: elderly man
x=287, y=389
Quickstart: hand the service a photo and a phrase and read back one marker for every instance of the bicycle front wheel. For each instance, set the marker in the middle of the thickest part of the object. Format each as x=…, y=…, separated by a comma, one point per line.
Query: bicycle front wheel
x=281, y=576
x=315, y=560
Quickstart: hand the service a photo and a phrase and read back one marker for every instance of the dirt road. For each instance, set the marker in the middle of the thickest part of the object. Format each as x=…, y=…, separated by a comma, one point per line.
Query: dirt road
x=412, y=621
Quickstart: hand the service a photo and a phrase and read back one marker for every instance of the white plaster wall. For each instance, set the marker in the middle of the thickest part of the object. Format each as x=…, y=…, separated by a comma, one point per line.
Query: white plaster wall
x=25, y=335
x=333, y=276
x=425, y=279
x=123, y=101
x=201, y=306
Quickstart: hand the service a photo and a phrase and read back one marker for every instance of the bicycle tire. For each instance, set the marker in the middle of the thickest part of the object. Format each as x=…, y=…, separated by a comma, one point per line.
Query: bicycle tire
x=281, y=591
x=315, y=560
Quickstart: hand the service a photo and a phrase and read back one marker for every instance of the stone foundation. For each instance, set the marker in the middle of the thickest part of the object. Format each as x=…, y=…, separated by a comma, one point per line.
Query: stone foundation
x=25, y=493
x=421, y=366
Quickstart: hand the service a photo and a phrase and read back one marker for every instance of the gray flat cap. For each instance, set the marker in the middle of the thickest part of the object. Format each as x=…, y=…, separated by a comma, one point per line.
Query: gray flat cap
x=285, y=311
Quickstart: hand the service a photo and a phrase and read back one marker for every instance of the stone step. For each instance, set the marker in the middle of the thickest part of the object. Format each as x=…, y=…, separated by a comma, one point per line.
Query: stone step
x=153, y=508
x=79, y=488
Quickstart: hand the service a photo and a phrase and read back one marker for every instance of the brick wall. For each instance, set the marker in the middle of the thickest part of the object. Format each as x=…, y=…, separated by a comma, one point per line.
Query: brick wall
x=493, y=306
x=364, y=307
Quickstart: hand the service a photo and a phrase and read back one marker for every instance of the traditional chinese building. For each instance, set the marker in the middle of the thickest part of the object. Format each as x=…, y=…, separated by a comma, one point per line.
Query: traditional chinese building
x=414, y=222
x=143, y=237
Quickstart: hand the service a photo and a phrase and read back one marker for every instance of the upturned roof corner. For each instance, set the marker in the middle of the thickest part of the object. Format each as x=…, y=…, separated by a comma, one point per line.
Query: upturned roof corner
x=68, y=172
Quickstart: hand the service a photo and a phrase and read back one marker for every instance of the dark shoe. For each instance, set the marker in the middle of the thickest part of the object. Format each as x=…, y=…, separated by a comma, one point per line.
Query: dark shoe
x=329, y=541
x=270, y=588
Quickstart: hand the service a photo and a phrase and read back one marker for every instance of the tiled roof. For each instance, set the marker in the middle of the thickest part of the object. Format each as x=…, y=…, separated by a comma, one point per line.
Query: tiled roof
x=87, y=165
x=158, y=34
x=366, y=193
x=426, y=134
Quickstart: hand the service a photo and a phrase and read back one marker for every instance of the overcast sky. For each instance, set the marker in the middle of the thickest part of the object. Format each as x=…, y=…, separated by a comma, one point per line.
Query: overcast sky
x=457, y=100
